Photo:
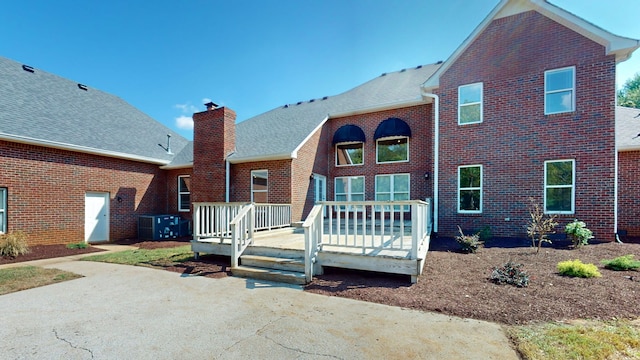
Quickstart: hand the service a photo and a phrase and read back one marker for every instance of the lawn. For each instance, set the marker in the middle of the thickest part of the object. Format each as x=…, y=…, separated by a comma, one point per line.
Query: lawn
x=27, y=277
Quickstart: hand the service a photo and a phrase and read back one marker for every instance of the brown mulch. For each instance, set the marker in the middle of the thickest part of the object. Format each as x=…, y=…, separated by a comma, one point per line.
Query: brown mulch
x=39, y=252
x=458, y=284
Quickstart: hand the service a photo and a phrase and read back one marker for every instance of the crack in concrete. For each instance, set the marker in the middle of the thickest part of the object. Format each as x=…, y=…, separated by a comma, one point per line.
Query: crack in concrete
x=55, y=333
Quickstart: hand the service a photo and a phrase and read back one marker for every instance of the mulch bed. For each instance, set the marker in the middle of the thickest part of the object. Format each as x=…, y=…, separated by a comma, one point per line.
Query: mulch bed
x=458, y=284
x=39, y=252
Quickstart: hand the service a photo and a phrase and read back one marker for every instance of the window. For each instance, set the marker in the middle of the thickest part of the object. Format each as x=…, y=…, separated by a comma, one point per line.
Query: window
x=3, y=210
x=184, y=193
x=392, y=150
x=349, y=154
x=259, y=186
x=559, y=186
x=393, y=187
x=470, y=189
x=559, y=91
x=349, y=188
x=470, y=104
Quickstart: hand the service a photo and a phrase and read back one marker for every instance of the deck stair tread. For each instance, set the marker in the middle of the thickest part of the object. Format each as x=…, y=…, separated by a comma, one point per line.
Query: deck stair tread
x=276, y=275
x=269, y=262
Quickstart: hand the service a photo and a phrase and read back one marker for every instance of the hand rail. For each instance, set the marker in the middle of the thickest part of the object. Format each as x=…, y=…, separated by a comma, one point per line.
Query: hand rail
x=313, y=229
x=241, y=232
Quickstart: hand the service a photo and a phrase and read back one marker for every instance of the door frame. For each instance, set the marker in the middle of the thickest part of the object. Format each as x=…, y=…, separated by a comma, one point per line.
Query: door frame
x=104, y=221
x=320, y=183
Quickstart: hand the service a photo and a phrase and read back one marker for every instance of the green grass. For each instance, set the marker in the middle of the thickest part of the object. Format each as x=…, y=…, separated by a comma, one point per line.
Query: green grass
x=143, y=257
x=585, y=340
x=27, y=277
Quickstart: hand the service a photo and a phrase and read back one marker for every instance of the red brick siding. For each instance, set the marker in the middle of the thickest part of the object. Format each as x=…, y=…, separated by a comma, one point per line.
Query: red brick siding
x=312, y=158
x=419, y=119
x=628, y=190
x=47, y=187
x=213, y=140
x=279, y=181
x=515, y=139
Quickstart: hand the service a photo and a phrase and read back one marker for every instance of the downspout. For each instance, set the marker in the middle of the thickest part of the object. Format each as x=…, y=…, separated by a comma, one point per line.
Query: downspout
x=436, y=154
x=227, y=176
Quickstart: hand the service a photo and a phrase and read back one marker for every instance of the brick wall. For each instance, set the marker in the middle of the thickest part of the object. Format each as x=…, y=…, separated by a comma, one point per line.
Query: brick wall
x=172, y=192
x=515, y=139
x=279, y=181
x=213, y=140
x=46, y=192
x=419, y=119
x=312, y=158
x=628, y=190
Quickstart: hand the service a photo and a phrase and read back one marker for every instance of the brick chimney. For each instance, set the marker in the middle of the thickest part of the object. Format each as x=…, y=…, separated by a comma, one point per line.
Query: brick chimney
x=214, y=138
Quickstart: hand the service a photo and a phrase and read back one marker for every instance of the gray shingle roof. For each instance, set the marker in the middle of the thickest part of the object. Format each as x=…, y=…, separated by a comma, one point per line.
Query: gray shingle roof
x=627, y=128
x=280, y=131
x=44, y=108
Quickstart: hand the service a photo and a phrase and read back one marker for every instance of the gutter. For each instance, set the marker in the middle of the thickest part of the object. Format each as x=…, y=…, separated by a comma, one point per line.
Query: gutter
x=436, y=154
x=81, y=149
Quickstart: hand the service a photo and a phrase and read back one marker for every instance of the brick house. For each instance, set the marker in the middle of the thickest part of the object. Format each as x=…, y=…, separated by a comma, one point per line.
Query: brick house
x=524, y=108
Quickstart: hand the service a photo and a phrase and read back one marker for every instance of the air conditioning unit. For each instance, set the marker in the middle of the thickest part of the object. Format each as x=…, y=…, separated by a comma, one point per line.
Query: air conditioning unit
x=159, y=227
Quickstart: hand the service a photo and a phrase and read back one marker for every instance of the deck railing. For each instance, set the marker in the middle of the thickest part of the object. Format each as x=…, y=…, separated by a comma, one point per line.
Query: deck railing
x=242, y=227
x=213, y=220
x=272, y=216
x=367, y=226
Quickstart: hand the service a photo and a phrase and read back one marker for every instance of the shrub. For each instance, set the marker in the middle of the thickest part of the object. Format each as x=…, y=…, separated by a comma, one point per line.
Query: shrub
x=81, y=245
x=621, y=263
x=469, y=243
x=578, y=232
x=540, y=225
x=485, y=233
x=510, y=273
x=577, y=268
x=13, y=244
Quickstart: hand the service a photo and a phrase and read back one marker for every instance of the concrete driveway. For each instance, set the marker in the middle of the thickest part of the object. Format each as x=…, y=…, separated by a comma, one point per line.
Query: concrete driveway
x=126, y=312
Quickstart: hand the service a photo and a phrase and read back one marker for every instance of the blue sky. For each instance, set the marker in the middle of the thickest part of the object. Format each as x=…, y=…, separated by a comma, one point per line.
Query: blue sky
x=166, y=57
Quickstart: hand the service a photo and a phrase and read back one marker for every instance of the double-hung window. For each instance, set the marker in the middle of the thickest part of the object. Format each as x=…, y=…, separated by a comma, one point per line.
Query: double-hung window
x=349, y=188
x=184, y=193
x=260, y=186
x=470, y=189
x=470, y=104
x=560, y=90
x=393, y=187
x=3, y=210
x=559, y=186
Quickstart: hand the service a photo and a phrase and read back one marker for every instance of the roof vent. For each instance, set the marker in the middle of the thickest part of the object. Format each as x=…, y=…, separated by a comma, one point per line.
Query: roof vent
x=168, y=148
x=299, y=102
x=82, y=87
x=419, y=67
x=403, y=70
x=211, y=105
x=439, y=62
x=27, y=68
x=384, y=74
x=312, y=100
x=286, y=106
x=325, y=98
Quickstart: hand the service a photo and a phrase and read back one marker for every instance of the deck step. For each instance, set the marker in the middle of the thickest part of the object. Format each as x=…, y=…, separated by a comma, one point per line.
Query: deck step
x=274, y=252
x=284, y=276
x=276, y=263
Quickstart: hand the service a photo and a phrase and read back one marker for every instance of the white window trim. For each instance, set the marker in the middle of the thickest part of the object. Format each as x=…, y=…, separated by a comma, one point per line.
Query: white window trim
x=572, y=186
x=391, y=192
x=3, y=211
x=479, y=211
x=481, y=103
x=180, y=209
x=392, y=138
x=348, y=143
x=259, y=191
x=350, y=193
x=572, y=89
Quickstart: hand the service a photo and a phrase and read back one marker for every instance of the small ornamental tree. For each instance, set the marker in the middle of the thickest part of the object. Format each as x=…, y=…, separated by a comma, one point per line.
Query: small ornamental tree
x=540, y=225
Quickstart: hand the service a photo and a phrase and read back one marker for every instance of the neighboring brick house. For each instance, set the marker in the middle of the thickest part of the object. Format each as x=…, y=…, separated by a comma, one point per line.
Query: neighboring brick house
x=524, y=108
x=77, y=164
x=628, y=144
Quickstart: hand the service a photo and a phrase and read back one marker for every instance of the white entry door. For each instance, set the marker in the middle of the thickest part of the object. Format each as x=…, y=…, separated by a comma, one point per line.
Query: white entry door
x=320, y=189
x=96, y=217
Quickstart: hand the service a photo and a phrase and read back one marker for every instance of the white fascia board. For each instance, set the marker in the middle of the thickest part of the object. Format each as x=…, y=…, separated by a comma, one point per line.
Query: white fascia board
x=257, y=158
x=626, y=148
x=382, y=107
x=294, y=154
x=176, y=167
x=80, y=149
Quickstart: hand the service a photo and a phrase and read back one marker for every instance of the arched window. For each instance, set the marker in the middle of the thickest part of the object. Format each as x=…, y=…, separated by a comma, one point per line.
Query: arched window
x=349, y=143
x=392, y=141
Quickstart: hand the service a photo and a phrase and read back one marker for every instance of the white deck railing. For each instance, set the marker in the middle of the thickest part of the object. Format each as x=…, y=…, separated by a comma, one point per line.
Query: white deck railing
x=236, y=222
x=367, y=226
